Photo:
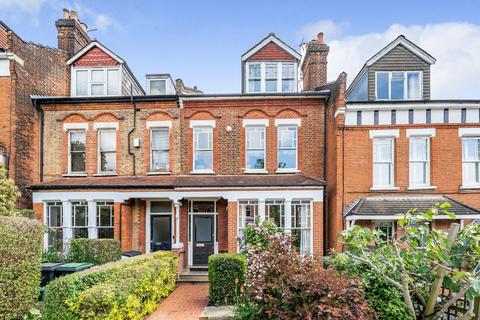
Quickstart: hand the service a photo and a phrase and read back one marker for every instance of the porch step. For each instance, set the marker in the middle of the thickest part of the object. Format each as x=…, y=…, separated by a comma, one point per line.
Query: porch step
x=189, y=276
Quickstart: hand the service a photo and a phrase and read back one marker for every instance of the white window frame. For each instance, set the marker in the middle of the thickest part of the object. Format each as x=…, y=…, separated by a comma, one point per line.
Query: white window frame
x=79, y=203
x=286, y=126
x=196, y=127
x=149, y=81
x=405, y=84
x=74, y=70
x=465, y=183
x=299, y=202
x=152, y=129
x=263, y=75
x=264, y=169
x=283, y=78
x=112, y=216
x=48, y=205
x=99, y=160
x=426, y=162
x=392, y=164
x=70, y=152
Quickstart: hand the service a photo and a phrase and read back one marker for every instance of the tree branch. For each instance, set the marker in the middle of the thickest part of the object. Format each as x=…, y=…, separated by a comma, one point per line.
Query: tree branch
x=451, y=301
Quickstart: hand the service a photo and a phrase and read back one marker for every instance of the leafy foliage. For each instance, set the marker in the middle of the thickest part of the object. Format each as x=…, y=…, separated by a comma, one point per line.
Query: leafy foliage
x=51, y=255
x=226, y=277
x=8, y=194
x=282, y=284
x=257, y=235
x=127, y=289
x=96, y=251
x=385, y=299
x=418, y=256
x=21, y=245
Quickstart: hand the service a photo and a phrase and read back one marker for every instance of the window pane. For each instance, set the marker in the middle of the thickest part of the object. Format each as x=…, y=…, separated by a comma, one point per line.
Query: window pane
x=80, y=233
x=97, y=89
x=471, y=149
x=108, y=161
x=413, y=83
x=382, y=174
x=418, y=173
x=160, y=160
x=77, y=160
x=108, y=140
x=158, y=87
x=55, y=216
x=203, y=160
x=97, y=75
x=105, y=233
x=382, y=85
x=288, y=71
x=418, y=149
x=382, y=150
x=254, y=86
x=287, y=159
x=255, y=159
x=77, y=140
x=288, y=85
x=82, y=82
x=161, y=207
x=271, y=71
x=203, y=229
x=255, y=137
x=105, y=216
x=113, y=82
x=55, y=239
x=275, y=214
x=203, y=138
x=271, y=85
x=397, y=84
x=254, y=71
x=203, y=206
x=80, y=216
x=160, y=139
x=287, y=137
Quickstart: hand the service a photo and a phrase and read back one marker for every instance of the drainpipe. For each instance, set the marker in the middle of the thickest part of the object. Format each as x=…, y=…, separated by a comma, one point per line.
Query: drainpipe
x=325, y=199
x=131, y=131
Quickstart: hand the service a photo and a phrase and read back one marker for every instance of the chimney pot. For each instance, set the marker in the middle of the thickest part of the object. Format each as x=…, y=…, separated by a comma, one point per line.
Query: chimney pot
x=74, y=15
x=320, y=38
x=84, y=26
x=66, y=13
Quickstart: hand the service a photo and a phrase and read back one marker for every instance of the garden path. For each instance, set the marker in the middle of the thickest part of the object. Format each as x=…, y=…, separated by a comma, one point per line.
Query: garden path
x=186, y=302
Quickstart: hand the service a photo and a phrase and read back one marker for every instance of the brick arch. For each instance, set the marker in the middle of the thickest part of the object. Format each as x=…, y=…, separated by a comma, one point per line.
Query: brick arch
x=255, y=114
x=159, y=115
x=106, y=117
x=288, y=113
x=202, y=115
x=74, y=117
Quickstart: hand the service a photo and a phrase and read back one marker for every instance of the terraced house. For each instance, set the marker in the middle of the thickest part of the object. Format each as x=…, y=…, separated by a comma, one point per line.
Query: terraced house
x=186, y=171
x=396, y=149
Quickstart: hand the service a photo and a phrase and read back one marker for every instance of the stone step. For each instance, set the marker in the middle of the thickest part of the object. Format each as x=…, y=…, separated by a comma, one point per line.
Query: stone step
x=217, y=313
x=188, y=276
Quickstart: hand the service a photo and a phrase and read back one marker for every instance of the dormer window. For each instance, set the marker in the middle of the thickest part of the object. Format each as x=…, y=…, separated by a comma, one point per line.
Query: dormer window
x=157, y=86
x=96, y=81
x=399, y=85
x=160, y=84
x=271, y=77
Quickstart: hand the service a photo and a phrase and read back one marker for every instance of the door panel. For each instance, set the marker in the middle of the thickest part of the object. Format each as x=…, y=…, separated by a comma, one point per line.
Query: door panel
x=203, y=243
x=161, y=232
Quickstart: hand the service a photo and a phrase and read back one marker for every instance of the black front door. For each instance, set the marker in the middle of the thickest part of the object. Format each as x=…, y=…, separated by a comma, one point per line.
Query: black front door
x=161, y=232
x=203, y=239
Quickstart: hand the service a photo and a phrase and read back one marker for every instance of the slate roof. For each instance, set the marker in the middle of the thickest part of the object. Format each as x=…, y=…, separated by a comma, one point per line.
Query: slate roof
x=170, y=182
x=392, y=205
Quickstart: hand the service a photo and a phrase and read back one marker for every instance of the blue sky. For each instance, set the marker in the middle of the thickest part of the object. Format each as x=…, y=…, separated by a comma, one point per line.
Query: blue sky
x=201, y=41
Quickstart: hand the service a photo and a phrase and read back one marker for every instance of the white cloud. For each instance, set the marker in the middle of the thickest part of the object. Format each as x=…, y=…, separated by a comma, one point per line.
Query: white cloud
x=95, y=20
x=332, y=30
x=29, y=6
x=455, y=45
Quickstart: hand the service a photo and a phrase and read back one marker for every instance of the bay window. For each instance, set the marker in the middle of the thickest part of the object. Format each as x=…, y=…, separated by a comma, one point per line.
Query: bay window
x=383, y=169
x=247, y=215
x=76, y=151
x=107, y=150
x=398, y=85
x=386, y=229
x=471, y=161
x=160, y=150
x=419, y=166
x=79, y=219
x=287, y=147
x=301, y=225
x=54, y=222
x=104, y=219
x=255, y=147
x=96, y=82
x=203, y=149
x=275, y=212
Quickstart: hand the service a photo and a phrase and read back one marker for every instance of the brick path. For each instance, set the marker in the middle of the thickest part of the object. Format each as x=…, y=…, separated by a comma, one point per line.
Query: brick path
x=186, y=302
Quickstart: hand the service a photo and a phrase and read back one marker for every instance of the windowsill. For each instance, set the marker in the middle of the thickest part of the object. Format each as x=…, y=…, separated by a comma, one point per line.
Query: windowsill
x=472, y=186
x=202, y=172
x=105, y=174
x=287, y=171
x=255, y=171
x=80, y=174
x=422, y=187
x=384, y=188
x=158, y=173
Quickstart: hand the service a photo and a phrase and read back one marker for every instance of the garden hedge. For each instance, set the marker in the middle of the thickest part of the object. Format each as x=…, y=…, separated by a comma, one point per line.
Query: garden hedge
x=96, y=251
x=127, y=289
x=21, y=246
x=226, y=276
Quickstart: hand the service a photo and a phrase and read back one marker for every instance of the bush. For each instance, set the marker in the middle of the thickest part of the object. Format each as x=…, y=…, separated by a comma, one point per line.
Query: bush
x=256, y=235
x=96, y=251
x=382, y=296
x=226, y=276
x=21, y=245
x=54, y=256
x=127, y=289
x=282, y=284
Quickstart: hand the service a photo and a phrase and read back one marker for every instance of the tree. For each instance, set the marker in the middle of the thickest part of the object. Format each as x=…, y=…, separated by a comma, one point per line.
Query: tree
x=419, y=260
x=9, y=194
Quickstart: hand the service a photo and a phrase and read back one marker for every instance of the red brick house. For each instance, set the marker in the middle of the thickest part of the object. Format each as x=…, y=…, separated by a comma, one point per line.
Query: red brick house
x=396, y=149
x=187, y=172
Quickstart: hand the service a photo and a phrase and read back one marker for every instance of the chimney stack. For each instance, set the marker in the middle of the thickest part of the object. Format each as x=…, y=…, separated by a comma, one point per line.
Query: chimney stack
x=314, y=66
x=72, y=34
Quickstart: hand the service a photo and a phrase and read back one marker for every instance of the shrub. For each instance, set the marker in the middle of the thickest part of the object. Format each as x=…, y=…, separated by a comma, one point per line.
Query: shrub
x=226, y=276
x=286, y=285
x=127, y=289
x=382, y=296
x=54, y=256
x=96, y=251
x=256, y=235
x=21, y=245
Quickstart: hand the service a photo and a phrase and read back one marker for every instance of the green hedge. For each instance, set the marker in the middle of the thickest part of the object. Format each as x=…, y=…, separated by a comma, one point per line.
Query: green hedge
x=127, y=289
x=96, y=251
x=21, y=246
x=226, y=275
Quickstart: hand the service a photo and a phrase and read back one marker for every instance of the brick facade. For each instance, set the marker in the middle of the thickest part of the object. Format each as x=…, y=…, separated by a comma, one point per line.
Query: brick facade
x=271, y=52
x=314, y=66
